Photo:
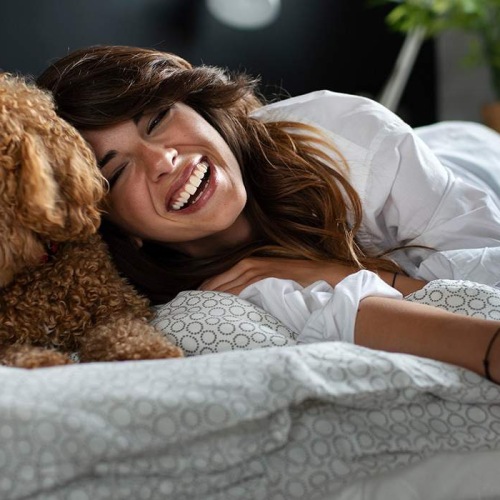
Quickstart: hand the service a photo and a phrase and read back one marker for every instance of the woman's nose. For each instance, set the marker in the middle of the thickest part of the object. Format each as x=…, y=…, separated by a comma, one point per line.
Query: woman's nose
x=158, y=160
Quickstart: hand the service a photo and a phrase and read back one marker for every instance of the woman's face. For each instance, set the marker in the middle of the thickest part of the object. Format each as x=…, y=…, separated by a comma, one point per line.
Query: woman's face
x=173, y=179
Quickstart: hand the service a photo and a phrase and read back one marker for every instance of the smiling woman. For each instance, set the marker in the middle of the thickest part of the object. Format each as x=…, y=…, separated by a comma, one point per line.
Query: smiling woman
x=151, y=119
x=173, y=180
x=212, y=189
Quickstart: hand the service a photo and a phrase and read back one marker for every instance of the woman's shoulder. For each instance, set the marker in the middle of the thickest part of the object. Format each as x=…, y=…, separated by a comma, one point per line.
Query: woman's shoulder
x=346, y=114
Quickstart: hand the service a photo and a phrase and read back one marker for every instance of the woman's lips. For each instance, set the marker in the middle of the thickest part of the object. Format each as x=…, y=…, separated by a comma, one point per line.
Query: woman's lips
x=194, y=189
x=189, y=192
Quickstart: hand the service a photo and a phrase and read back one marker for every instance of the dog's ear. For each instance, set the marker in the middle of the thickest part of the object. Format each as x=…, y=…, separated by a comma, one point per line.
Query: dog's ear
x=81, y=185
x=37, y=190
x=49, y=179
x=59, y=186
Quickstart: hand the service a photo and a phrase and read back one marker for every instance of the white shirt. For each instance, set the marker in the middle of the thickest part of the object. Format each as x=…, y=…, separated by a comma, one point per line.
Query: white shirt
x=433, y=186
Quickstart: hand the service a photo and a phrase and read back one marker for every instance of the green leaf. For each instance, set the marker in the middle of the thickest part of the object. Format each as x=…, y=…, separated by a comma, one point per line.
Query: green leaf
x=478, y=17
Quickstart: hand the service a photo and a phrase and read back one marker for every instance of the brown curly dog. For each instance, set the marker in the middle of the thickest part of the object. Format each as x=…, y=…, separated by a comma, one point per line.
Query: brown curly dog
x=59, y=292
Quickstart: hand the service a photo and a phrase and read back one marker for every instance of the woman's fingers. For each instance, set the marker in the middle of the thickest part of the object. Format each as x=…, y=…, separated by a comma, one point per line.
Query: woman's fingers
x=253, y=269
x=244, y=273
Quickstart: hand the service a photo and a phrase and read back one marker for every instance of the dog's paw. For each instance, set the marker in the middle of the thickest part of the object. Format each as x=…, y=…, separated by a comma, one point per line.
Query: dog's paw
x=126, y=339
x=156, y=346
x=26, y=356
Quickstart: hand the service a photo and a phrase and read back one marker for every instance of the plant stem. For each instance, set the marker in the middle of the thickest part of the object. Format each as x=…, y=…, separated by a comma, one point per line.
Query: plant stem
x=393, y=89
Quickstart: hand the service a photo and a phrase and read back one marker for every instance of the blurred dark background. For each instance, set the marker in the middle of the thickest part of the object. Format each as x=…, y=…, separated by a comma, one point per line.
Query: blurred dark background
x=341, y=45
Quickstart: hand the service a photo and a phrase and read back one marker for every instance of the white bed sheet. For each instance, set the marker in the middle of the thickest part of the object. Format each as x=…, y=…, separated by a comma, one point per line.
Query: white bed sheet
x=468, y=476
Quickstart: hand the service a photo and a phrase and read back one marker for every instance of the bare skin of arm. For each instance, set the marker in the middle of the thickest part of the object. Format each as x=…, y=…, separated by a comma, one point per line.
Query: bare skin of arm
x=305, y=272
x=429, y=332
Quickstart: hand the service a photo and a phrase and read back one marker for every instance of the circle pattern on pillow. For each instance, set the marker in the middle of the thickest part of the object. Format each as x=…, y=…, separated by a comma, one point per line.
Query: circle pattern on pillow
x=461, y=297
x=205, y=322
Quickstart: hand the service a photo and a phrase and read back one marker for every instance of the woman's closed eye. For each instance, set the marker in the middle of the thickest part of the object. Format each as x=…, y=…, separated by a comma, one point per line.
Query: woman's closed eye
x=156, y=120
x=115, y=175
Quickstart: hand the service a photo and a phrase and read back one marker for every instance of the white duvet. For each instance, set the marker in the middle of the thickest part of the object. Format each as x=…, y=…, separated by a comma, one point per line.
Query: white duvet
x=325, y=420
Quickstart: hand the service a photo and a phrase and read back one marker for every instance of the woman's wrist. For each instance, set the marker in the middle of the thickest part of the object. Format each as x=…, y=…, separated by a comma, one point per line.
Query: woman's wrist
x=490, y=360
x=401, y=282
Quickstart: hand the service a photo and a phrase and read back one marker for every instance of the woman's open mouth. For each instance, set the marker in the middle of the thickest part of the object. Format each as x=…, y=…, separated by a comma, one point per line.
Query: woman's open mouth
x=195, y=186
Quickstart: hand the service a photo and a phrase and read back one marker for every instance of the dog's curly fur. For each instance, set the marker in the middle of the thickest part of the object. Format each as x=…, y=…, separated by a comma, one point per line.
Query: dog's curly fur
x=50, y=192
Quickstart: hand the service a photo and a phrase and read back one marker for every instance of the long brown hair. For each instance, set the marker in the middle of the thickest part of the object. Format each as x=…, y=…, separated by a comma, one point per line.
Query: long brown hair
x=300, y=203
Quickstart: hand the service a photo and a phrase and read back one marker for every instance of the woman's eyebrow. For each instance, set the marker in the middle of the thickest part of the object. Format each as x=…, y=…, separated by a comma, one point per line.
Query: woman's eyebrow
x=106, y=158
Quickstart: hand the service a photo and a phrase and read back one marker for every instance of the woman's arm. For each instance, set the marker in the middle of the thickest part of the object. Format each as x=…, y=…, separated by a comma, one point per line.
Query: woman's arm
x=304, y=272
x=429, y=332
x=385, y=323
x=401, y=282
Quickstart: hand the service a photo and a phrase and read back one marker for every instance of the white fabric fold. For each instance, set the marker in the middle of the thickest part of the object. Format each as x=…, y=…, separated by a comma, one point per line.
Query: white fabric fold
x=319, y=312
x=481, y=263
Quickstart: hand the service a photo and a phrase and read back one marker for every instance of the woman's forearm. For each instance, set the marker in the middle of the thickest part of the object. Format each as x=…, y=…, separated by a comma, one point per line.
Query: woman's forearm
x=426, y=331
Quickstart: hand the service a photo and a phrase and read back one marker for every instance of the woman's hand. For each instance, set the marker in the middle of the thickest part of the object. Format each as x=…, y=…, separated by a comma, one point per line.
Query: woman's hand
x=254, y=269
x=304, y=272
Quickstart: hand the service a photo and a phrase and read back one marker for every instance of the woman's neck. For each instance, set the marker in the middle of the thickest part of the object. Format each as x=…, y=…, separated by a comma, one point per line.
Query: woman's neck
x=236, y=235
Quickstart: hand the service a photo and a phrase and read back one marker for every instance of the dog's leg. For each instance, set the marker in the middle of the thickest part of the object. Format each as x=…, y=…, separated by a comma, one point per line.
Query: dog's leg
x=28, y=356
x=126, y=339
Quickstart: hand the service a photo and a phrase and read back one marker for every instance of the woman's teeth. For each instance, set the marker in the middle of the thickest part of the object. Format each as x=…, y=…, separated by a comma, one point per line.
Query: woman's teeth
x=191, y=186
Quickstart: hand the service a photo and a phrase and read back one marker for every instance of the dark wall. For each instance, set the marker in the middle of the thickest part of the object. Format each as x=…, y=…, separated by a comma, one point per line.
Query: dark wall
x=341, y=45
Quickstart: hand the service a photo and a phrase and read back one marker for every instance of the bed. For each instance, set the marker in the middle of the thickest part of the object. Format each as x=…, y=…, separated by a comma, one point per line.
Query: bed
x=254, y=416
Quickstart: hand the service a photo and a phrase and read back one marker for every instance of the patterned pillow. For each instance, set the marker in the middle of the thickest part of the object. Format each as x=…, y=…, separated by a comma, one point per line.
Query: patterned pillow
x=461, y=297
x=203, y=322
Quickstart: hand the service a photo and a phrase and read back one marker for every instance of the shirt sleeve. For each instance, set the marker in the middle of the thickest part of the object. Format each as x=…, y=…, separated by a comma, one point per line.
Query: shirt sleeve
x=427, y=205
x=469, y=264
x=319, y=312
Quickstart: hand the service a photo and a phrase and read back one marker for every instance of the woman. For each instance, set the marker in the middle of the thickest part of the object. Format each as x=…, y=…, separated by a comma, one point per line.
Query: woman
x=210, y=189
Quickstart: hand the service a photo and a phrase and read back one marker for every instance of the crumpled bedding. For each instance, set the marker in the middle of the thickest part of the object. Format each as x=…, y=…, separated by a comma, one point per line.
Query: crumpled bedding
x=277, y=423
x=317, y=421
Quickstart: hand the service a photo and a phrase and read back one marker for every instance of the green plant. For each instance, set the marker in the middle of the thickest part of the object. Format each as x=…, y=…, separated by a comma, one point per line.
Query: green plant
x=479, y=17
